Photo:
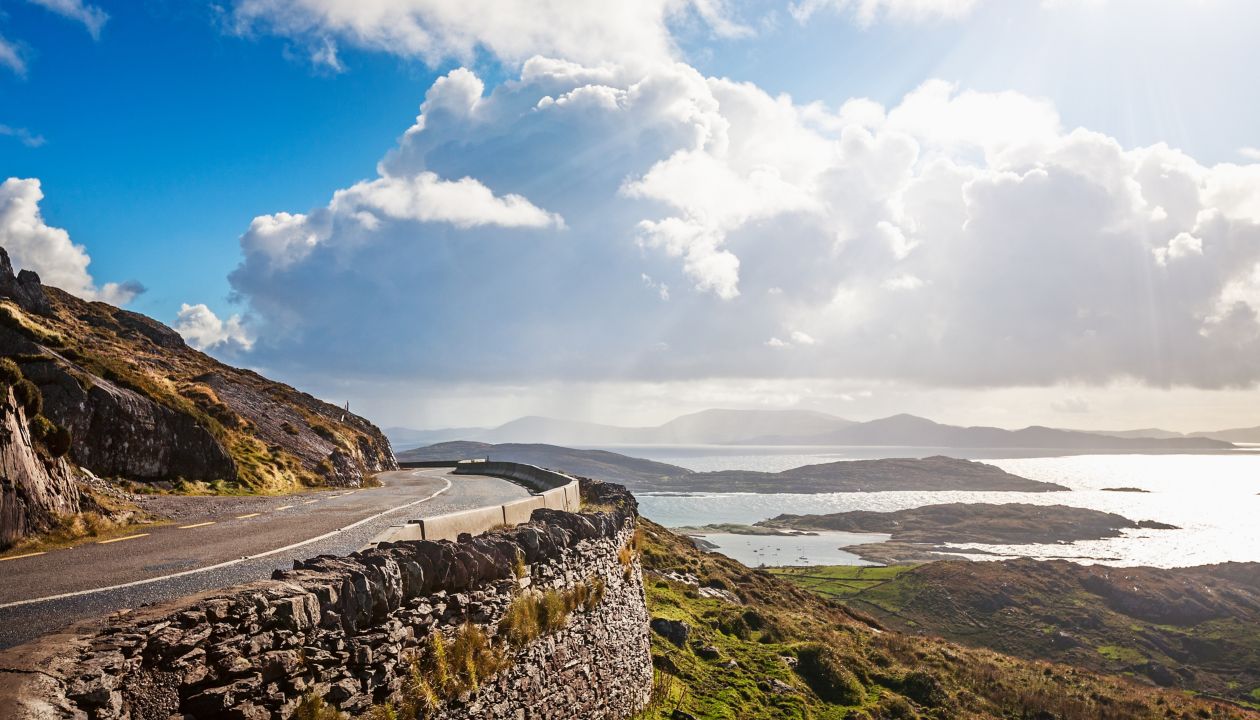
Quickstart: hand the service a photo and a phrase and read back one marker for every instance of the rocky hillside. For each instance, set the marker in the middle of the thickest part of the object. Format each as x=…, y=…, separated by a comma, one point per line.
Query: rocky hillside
x=733, y=642
x=140, y=404
x=1197, y=628
x=37, y=487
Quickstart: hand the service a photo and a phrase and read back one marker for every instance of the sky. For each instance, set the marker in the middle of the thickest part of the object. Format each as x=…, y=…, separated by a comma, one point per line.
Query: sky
x=456, y=213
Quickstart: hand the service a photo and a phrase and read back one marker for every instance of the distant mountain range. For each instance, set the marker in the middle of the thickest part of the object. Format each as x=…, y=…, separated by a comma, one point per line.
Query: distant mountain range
x=804, y=427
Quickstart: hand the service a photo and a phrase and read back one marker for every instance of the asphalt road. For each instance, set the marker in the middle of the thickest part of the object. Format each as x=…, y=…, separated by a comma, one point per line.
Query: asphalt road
x=216, y=542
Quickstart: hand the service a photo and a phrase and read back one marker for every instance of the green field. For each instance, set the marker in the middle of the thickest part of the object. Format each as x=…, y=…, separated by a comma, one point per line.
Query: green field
x=839, y=581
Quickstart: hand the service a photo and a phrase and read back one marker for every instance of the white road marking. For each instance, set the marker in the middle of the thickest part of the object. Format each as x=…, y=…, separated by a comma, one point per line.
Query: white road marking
x=19, y=557
x=308, y=502
x=201, y=524
x=246, y=517
x=129, y=537
x=284, y=507
x=229, y=563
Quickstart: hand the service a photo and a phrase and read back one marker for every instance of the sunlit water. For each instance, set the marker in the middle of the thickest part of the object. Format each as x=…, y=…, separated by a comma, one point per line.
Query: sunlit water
x=1211, y=498
x=825, y=548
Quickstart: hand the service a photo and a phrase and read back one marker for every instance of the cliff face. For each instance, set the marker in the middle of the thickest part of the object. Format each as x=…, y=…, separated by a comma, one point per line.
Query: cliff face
x=34, y=488
x=143, y=405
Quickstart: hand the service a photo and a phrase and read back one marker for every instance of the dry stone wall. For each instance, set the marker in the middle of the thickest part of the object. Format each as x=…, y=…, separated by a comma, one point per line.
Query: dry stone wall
x=343, y=628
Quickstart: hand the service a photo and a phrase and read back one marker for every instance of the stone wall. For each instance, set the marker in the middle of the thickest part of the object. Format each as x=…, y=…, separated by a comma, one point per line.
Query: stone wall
x=343, y=629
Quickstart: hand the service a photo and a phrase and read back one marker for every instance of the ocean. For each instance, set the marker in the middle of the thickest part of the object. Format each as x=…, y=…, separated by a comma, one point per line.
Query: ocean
x=1214, y=500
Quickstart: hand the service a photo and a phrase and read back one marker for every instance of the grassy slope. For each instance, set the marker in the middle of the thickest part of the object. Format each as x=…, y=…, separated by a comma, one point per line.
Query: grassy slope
x=1072, y=614
x=791, y=648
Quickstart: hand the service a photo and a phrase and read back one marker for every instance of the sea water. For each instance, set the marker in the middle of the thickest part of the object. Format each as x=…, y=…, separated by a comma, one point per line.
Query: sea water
x=1212, y=498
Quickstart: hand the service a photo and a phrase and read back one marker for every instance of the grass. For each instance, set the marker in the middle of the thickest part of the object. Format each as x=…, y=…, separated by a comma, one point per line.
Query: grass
x=839, y=581
x=76, y=529
x=1117, y=653
x=14, y=317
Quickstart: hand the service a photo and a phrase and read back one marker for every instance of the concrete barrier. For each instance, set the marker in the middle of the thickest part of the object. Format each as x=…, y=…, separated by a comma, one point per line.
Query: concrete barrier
x=555, y=491
x=515, y=513
x=555, y=499
x=449, y=526
x=414, y=464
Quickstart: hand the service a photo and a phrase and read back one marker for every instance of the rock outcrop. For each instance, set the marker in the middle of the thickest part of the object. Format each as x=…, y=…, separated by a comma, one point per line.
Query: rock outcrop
x=141, y=404
x=35, y=489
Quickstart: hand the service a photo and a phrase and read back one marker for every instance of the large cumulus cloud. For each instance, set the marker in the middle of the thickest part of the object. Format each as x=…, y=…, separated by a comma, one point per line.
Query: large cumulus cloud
x=627, y=32
x=956, y=238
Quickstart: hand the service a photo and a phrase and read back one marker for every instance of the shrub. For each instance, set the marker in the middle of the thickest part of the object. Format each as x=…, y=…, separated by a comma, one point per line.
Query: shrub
x=553, y=611
x=596, y=594
x=288, y=428
x=824, y=671
x=54, y=438
x=520, y=623
x=895, y=707
x=29, y=397
x=313, y=707
x=448, y=669
x=924, y=688
x=10, y=373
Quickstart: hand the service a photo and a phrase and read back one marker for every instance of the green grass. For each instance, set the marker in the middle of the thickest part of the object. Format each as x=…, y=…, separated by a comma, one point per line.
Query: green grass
x=839, y=581
x=1117, y=653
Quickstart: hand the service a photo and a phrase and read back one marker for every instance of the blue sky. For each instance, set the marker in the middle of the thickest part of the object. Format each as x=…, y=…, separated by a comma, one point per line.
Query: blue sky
x=164, y=137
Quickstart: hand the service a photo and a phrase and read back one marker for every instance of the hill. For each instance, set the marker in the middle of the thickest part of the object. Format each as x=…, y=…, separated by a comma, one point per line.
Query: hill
x=910, y=430
x=1196, y=629
x=140, y=404
x=1235, y=435
x=801, y=427
x=708, y=427
x=732, y=642
x=630, y=471
x=928, y=474
x=918, y=534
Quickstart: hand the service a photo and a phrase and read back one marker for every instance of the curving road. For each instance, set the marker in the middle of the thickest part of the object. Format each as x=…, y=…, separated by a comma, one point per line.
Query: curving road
x=216, y=542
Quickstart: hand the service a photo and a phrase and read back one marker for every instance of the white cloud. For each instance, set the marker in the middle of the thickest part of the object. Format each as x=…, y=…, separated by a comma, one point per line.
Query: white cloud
x=92, y=17
x=11, y=58
x=34, y=245
x=801, y=338
x=424, y=197
x=867, y=12
x=436, y=30
x=1073, y=405
x=24, y=136
x=1250, y=153
x=955, y=238
x=662, y=290
x=204, y=330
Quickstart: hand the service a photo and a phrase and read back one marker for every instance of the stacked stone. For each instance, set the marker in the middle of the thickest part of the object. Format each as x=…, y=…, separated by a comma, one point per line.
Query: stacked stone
x=342, y=628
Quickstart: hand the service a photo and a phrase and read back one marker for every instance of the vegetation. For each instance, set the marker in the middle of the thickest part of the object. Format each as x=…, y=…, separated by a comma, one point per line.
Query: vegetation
x=14, y=317
x=840, y=581
x=535, y=613
x=1192, y=628
x=784, y=652
x=313, y=707
x=54, y=438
